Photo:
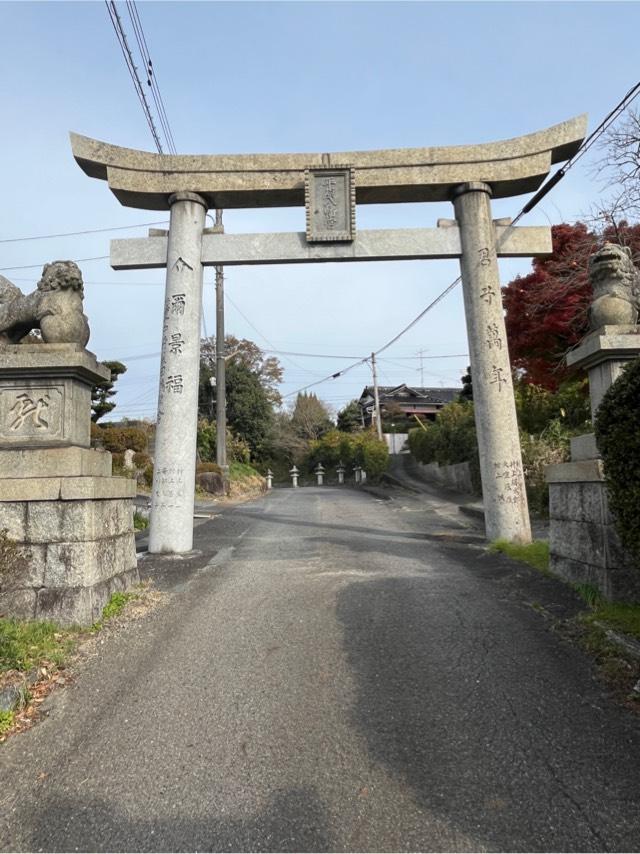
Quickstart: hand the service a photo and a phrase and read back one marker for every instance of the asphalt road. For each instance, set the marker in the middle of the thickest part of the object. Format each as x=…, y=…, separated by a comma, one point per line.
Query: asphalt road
x=332, y=673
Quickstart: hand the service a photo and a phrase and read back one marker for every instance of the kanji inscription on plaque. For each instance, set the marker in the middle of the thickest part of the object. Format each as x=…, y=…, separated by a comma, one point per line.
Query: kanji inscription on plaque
x=330, y=204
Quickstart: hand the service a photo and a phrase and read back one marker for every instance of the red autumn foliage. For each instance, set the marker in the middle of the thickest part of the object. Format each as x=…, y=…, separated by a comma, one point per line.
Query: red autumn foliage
x=547, y=310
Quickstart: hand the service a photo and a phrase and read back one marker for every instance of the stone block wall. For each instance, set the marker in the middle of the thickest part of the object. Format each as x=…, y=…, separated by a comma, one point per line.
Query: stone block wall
x=456, y=476
x=75, y=554
x=585, y=547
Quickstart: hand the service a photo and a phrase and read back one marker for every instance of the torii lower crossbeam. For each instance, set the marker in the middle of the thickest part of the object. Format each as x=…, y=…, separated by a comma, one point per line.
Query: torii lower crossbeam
x=410, y=244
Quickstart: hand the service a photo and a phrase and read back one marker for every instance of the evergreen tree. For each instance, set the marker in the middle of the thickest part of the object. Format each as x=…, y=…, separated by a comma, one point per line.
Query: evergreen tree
x=249, y=412
x=467, y=385
x=100, y=393
x=350, y=418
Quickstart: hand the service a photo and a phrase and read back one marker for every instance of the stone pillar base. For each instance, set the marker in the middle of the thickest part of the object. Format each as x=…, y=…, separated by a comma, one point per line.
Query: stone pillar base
x=583, y=543
x=74, y=533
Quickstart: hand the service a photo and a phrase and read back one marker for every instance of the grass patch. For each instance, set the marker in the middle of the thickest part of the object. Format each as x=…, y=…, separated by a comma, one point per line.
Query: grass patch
x=25, y=644
x=140, y=521
x=536, y=554
x=6, y=721
x=589, y=593
x=114, y=606
x=618, y=670
x=34, y=656
x=237, y=471
x=620, y=617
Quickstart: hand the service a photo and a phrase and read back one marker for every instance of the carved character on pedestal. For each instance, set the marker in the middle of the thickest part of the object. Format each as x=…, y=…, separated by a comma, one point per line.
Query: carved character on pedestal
x=55, y=307
x=616, y=287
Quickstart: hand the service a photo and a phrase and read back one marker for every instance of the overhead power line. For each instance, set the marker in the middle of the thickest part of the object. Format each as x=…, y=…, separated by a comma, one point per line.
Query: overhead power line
x=79, y=233
x=587, y=143
x=152, y=80
x=139, y=357
x=447, y=356
x=132, y=68
x=41, y=265
x=257, y=331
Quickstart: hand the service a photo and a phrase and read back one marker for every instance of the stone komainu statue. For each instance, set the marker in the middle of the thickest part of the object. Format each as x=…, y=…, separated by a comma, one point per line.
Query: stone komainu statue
x=55, y=307
x=616, y=287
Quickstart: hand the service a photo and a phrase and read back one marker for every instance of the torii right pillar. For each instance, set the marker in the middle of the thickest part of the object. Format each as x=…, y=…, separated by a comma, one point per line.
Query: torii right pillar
x=505, y=499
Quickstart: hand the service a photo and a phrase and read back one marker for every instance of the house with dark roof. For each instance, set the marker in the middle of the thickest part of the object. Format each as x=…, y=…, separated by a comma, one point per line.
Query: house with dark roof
x=412, y=400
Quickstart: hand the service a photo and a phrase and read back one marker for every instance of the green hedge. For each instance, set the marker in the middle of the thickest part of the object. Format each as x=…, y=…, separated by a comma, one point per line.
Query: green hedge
x=451, y=439
x=237, y=449
x=448, y=440
x=119, y=439
x=617, y=429
x=354, y=449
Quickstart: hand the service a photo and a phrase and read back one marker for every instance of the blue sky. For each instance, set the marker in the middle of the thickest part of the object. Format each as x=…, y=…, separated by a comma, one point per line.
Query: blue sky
x=277, y=77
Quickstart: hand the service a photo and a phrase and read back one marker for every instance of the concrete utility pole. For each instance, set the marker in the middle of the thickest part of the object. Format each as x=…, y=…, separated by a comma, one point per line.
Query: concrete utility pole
x=221, y=389
x=376, y=396
x=421, y=356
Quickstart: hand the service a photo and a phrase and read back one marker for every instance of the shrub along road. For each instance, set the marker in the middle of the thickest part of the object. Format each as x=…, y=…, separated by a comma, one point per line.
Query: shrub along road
x=332, y=672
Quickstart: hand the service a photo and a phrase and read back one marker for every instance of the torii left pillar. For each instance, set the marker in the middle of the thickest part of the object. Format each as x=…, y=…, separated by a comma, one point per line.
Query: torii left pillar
x=172, y=499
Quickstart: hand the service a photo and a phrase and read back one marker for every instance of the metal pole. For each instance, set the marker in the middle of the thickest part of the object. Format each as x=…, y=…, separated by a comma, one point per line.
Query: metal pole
x=375, y=396
x=221, y=397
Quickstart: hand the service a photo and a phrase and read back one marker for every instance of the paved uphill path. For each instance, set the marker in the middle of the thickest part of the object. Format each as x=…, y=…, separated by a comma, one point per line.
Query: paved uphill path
x=342, y=674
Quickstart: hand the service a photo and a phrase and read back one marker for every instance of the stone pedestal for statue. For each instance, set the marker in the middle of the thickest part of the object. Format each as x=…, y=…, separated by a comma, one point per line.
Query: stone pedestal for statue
x=72, y=521
x=583, y=542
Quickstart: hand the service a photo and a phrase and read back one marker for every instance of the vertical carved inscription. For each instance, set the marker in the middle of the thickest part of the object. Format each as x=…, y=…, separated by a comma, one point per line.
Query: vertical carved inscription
x=171, y=378
x=509, y=478
x=169, y=486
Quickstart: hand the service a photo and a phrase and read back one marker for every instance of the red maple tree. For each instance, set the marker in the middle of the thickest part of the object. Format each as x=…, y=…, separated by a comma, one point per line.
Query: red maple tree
x=547, y=310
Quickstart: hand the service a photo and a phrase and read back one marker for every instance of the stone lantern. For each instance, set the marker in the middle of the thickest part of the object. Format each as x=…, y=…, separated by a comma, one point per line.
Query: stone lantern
x=357, y=470
x=340, y=470
x=319, y=473
x=294, y=475
x=269, y=478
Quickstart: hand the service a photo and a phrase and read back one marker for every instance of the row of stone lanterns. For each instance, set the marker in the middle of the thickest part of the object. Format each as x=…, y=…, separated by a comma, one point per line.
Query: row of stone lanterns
x=360, y=475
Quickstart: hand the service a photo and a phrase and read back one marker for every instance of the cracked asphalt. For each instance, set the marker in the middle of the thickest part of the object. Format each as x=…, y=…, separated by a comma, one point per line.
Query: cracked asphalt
x=332, y=672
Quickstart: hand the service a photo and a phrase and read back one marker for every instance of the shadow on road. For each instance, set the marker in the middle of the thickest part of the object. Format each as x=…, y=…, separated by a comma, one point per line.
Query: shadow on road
x=371, y=531
x=295, y=820
x=494, y=724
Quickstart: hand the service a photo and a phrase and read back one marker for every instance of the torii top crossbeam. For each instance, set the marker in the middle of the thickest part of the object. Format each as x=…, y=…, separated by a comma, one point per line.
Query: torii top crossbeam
x=140, y=179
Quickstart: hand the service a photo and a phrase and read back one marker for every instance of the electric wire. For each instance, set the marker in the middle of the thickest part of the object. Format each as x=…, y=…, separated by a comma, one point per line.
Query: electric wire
x=152, y=81
x=133, y=71
x=257, y=331
x=40, y=266
x=80, y=233
x=586, y=144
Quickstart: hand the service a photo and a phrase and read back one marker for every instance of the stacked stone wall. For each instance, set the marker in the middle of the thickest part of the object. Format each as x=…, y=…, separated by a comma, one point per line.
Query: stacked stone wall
x=585, y=546
x=70, y=550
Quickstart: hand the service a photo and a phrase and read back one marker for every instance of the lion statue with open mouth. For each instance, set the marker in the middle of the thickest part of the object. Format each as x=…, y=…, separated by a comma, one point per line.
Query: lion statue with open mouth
x=616, y=287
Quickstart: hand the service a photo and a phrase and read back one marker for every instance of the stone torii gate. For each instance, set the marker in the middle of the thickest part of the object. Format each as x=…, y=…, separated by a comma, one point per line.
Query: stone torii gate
x=329, y=186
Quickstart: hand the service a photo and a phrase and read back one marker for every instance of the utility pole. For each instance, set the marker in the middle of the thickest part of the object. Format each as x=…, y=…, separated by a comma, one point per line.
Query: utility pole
x=221, y=396
x=376, y=397
x=421, y=356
